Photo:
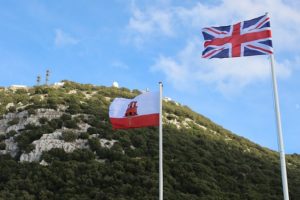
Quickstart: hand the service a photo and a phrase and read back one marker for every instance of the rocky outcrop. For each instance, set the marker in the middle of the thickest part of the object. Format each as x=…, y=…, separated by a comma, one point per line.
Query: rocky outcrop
x=50, y=141
x=24, y=118
x=18, y=121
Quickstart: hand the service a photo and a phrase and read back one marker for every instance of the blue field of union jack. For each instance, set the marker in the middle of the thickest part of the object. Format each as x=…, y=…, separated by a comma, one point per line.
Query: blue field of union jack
x=247, y=38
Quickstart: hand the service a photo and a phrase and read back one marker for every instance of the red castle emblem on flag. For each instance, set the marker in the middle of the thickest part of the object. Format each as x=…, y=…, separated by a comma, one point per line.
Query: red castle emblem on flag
x=131, y=109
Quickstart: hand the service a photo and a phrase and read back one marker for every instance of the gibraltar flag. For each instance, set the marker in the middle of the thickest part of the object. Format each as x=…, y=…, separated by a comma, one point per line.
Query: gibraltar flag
x=141, y=111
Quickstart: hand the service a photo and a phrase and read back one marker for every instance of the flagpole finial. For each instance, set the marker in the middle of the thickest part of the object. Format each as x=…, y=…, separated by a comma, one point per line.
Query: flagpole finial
x=160, y=83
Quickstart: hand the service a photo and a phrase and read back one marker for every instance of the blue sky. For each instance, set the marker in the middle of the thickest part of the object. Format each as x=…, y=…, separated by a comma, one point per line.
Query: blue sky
x=139, y=43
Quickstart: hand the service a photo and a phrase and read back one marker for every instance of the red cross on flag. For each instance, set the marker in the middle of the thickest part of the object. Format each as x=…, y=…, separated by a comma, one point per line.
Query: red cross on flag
x=141, y=111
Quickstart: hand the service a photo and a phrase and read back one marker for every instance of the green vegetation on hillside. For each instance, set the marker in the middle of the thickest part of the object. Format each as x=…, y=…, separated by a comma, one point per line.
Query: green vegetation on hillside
x=202, y=161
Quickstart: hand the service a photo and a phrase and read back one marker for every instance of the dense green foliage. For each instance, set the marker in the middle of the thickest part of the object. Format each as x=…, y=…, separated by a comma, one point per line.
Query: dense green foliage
x=199, y=163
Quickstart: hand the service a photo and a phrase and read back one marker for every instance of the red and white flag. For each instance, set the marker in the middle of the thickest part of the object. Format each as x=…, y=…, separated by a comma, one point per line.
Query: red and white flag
x=141, y=111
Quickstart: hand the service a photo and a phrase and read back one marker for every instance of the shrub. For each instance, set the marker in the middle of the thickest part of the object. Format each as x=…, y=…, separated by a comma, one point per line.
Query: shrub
x=29, y=148
x=52, y=103
x=12, y=109
x=66, y=117
x=70, y=124
x=92, y=130
x=56, y=123
x=117, y=147
x=31, y=111
x=125, y=141
x=25, y=139
x=74, y=108
x=30, y=126
x=55, y=154
x=13, y=121
x=137, y=140
x=2, y=146
x=2, y=137
x=47, y=128
x=43, y=120
x=69, y=136
x=82, y=155
x=84, y=136
x=94, y=144
x=11, y=133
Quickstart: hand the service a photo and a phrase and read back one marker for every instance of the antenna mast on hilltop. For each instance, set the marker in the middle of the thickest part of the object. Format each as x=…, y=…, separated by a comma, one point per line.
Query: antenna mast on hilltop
x=38, y=80
x=47, y=76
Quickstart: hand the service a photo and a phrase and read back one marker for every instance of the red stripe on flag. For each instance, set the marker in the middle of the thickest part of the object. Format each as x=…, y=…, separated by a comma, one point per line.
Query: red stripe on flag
x=212, y=52
x=262, y=23
x=265, y=50
x=135, y=121
x=214, y=31
x=247, y=37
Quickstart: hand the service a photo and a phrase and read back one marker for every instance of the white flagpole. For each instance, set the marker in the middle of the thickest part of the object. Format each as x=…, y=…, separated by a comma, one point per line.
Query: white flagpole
x=279, y=132
x=160, y=144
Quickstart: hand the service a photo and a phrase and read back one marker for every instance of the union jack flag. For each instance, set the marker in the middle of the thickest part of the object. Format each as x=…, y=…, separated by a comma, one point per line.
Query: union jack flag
x=247, y=38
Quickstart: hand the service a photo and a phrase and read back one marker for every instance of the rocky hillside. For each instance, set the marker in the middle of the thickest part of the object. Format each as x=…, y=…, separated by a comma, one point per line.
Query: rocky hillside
x=56, y=142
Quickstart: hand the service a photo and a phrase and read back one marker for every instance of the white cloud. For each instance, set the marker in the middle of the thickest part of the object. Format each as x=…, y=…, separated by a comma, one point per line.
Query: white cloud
x=63, y=39
x=148, y=23
x=228, y=75
x=285, y=18
x=170, y=20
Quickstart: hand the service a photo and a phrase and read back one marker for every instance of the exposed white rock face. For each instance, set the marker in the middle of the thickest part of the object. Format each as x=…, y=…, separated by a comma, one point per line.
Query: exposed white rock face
x=24, y=119
x=11, y=147
x=47, y=141
x=62, y=107
x=23, y=106
x=14, y=128
x=188, y=120
x=83, y=127
x=10, y=116
x=50, y=141
x=132, y=147
x=107, y=98
x=88, y=96
x=247, y=150
x=107, y=143
x=104, y=142
x=175, y=122
x=72, y=92
x=48, y=113
x=44, y=163
x=42, y=96
x=9, y=105
x=186, y=123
